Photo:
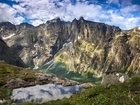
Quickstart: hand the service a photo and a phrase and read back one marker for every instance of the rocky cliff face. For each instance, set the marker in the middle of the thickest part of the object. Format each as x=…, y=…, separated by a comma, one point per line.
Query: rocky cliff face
x=82, y=46
x=7, y=55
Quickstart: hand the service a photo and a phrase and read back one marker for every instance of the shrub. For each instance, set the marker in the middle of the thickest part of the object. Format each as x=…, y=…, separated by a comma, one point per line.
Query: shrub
x=134, y=83
x=2, y=82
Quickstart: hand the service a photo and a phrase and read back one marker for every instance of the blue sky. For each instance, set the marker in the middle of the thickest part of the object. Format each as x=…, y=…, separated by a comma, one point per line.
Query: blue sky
x=122, y=13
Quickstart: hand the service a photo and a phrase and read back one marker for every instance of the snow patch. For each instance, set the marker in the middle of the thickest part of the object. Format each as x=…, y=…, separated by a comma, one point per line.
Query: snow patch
x=36, y=67
x=139, y=28
x=8, y=37
x=121, y=79
x=44, y=93
x=70, y=44
x=117, y=74
x=79, y=37
x=35, y=45
x=2, y=101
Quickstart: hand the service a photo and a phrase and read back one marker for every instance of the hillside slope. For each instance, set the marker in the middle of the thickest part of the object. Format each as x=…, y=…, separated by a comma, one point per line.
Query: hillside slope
x=7, y=55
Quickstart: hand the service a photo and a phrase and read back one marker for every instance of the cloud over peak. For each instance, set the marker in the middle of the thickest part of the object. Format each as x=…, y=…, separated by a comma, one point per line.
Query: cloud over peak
x=113, y=12
x=8, y=13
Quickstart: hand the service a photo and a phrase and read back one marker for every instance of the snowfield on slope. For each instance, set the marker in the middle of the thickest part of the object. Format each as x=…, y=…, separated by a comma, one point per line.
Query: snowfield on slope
x=44, y=93
x=8, y=37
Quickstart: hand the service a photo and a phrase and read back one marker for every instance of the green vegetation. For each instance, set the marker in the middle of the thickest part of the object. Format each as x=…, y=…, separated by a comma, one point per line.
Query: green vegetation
x=127, y=93
x=89, y=74
x=62, y=58
x=8, y=72
x=84, y=46
x=5, y=93
x=59, y=68
x=30, y=63
x=119, y=94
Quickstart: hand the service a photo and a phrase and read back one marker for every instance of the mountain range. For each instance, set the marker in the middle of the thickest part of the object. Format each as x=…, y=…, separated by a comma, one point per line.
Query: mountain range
x=81, y=46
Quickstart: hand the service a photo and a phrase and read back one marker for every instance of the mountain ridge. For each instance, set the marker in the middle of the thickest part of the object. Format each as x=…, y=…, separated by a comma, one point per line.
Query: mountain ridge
x=89, y=48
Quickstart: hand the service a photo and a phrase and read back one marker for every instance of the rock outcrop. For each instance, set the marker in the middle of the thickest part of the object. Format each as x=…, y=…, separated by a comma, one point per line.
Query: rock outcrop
x=111, y=78
x=15, y=77
x=40, y=79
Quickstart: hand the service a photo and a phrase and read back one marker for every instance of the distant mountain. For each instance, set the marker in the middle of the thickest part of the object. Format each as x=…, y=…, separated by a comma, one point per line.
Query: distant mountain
x=84, y=47
x=8, y=56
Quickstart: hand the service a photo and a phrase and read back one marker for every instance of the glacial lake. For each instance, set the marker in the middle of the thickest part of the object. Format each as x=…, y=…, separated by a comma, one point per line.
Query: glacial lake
x=44, y=93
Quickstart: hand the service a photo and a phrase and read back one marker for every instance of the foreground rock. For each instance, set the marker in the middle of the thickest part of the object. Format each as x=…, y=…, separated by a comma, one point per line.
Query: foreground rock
x=41, y=79
x=111, y=78
x=44, y=78
x=88, y=85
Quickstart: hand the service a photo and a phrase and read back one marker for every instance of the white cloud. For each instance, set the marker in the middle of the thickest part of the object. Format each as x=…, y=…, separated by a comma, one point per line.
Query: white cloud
x=87, y=11
x=19, y=8
x=37, y=22
x=130, y=8
x=126, y=2
x=8, y=13
x=44, y=10
x=113, y=1
x=125, y=22
x=39, y=11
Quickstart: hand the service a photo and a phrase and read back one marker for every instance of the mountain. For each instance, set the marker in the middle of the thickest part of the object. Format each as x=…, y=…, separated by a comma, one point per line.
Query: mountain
x=7, y=55
x=81, y=47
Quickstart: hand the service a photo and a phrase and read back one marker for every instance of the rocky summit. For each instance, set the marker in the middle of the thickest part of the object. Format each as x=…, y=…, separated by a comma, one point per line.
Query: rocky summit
x=86, y=47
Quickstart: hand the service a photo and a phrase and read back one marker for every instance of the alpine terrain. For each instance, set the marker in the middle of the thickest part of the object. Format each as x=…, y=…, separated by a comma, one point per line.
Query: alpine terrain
x=80, y=48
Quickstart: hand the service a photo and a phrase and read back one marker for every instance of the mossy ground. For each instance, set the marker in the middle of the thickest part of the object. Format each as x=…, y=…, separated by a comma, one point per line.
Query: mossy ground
x=8, y=72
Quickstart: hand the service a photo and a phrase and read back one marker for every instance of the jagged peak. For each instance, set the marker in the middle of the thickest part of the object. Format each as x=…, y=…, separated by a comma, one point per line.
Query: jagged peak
x=25, y=24
x=74, y=20
x=57, y=19
x=81, y=19
x=6, y=23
